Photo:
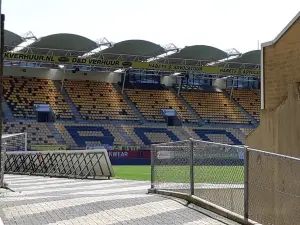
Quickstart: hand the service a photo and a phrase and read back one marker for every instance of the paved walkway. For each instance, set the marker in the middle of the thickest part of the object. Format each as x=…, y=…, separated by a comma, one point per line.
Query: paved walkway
x=39, y=200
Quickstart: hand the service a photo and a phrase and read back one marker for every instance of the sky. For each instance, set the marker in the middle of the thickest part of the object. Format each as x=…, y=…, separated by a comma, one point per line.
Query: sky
x=223, y=24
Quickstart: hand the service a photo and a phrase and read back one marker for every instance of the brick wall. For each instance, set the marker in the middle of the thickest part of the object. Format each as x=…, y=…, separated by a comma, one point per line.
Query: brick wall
x=279, y=131
x=281, y=66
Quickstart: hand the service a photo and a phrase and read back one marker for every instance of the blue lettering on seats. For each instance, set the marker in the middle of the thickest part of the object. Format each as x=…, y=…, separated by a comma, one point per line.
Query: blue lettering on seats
x=106, y=139
x=140, y=132
x=202, y=133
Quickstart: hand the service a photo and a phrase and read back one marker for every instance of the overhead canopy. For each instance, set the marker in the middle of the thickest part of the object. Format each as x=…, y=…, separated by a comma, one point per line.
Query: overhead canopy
x=73, y=42
x=195, y=53
x=252, y=57
x=11, y=39
x=130, y=49
x=249, y=59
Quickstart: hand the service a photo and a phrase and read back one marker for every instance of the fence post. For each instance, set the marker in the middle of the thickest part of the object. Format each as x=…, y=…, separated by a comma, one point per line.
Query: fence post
x=3, y=158
x=152, y=167
x=192, y=182
x=246, y=183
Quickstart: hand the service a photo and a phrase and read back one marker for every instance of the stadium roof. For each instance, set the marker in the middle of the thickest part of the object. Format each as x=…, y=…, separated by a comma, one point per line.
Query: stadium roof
x=130, y=49
x=63, y=41
x=195, y=53
x=248, y=60
x=252, y=57
x=11, y=39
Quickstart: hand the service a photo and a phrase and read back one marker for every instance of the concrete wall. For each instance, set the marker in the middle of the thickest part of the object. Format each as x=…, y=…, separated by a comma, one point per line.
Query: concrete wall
x=274, y=181
x=229, y=198
x=55, y=74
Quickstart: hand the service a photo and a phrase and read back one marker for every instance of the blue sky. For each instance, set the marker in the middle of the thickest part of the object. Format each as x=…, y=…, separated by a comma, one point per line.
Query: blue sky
x=220, y=23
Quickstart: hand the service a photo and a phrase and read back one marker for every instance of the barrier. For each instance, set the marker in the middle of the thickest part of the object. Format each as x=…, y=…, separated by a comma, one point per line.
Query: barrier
x=83, y=164
x=241, y=183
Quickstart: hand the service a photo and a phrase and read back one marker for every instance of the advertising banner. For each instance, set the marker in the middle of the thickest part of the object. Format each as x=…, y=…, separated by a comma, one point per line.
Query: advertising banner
x=126, y=64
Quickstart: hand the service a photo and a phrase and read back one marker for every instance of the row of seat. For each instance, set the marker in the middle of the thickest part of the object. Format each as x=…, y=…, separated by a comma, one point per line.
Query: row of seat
x=248, y=99
x=101, y=101
x=22, y=93
x=215, y=107
x=98, y=100
x=37, y=133
x=151, y=102
x=77, y=135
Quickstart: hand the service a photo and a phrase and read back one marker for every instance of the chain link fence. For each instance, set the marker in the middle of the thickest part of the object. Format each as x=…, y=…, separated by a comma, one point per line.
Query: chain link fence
x=274, y=188
x=219, y=174
x=211, y=171
x=172, y=170
x=258, y=185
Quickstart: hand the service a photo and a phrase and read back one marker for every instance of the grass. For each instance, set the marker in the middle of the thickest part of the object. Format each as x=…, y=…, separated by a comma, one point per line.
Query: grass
x=203, y=174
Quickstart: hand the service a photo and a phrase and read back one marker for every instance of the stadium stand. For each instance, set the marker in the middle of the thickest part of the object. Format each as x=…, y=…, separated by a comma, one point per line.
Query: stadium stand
x=248, y=99
x=214, y=107
x=38, y=133
x=93, y=112
x=151, y=102
x=98, y=101
x=22, y=93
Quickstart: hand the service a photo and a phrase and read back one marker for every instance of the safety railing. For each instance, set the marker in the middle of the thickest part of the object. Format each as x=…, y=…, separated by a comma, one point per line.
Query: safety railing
x=239, y=179
x=79, y=164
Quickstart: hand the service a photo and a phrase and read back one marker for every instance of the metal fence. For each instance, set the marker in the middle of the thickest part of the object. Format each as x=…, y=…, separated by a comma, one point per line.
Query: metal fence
x=274, y=188
x=80, y=164
x=252, y=183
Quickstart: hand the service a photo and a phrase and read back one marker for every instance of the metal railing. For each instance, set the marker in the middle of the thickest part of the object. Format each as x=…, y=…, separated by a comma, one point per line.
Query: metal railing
x=79, y=164
x=242, y=180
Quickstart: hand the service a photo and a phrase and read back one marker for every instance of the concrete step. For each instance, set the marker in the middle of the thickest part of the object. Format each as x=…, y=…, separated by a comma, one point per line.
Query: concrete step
x=8, y=116
x=253, y=120
x=190, y=108
x=126, y=137
x=185, y=133
x=70, y=103
x=56, y=133
x=130, y=103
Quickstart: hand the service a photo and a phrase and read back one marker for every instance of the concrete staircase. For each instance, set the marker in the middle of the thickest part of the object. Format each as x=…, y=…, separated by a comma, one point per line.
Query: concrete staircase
x=56, y=134
x=125, y=136
x=130, y=103
x=70, y=103
x=253, y=120
x=190, y=108
x=7, y=112
x=185, y=132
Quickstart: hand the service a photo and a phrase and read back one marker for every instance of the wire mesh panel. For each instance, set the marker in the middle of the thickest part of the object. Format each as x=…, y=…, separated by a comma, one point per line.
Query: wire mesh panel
x=219, y=174
x=274, y=188
x=171, y=166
